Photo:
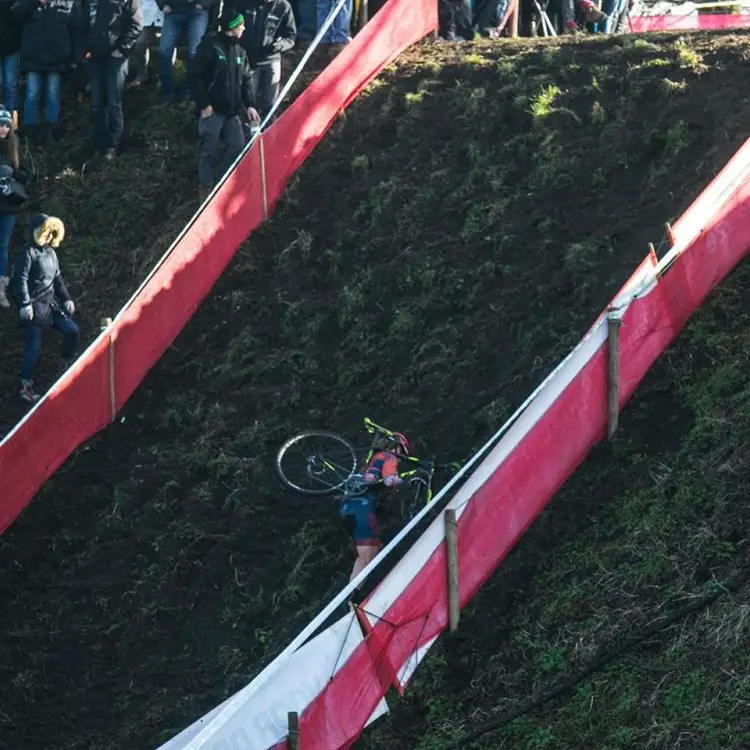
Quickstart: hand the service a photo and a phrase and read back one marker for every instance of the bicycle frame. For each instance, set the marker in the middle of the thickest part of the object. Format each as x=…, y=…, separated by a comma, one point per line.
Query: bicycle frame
x=378, y=432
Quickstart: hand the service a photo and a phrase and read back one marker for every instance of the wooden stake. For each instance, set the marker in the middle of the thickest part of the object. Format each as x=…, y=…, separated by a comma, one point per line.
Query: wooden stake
x=613, y=392
x=451, y=544
x=293, y=718
x=670, y=234
x=105, y=323
x=263, y=176
x=514, y=19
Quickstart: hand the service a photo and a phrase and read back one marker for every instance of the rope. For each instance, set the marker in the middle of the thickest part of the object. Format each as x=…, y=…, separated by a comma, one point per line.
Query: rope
x=603, y=656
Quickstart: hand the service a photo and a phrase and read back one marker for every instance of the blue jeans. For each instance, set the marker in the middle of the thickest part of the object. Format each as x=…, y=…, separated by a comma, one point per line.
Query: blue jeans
x=307, y=20
x=7, y=222
x=107, y=82
x=33, y=333
x=9, y=75
x=339, y=32
x=193, y=23
x=613, y=9
x=35, y=83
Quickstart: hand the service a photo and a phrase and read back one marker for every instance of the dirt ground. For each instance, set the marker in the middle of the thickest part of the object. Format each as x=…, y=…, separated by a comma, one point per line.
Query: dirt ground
x=443, y=249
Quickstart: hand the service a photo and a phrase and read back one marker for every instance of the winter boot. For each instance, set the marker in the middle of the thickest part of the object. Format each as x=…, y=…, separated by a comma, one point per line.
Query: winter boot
x=4, y=292
x=27, y=392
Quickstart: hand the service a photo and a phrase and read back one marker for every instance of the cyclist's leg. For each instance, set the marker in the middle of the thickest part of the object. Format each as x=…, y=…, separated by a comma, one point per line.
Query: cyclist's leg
x=359, y=516
x=365, y=555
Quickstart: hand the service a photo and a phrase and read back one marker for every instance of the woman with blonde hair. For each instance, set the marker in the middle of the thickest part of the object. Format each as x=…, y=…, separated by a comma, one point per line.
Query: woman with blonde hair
x=12, y=194
x=42, y=298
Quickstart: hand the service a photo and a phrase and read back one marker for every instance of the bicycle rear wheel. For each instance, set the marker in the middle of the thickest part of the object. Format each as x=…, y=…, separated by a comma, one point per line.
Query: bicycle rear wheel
x=316, y=462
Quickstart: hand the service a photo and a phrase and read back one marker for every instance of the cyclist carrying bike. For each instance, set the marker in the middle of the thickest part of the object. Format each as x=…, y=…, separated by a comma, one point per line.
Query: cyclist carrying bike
x=359, y=511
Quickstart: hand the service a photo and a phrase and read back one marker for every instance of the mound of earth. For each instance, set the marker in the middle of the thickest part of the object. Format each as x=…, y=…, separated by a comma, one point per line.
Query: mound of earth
x=444, y=248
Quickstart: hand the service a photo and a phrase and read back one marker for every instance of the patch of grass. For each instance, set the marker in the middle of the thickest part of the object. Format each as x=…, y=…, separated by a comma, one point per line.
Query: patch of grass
x=541, y=103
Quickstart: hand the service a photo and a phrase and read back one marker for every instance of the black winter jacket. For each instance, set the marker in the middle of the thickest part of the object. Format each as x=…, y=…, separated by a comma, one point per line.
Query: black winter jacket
x=10, y=30
x=37, y=281
x=8, y=205
x=183, y=6
x=269, y=29
x=116, y=25
x=52, y=35
x=220, y=75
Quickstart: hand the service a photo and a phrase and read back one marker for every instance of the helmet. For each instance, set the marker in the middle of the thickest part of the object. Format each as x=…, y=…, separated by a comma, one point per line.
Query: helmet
x=400, y=439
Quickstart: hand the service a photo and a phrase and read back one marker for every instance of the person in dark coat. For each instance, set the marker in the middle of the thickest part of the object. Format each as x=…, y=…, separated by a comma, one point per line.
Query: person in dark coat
x=222, y=85
x=270, y=29
x=50, y=46
x=111, y=29
x=43, y=299
x=10, y=46
x=13, y=179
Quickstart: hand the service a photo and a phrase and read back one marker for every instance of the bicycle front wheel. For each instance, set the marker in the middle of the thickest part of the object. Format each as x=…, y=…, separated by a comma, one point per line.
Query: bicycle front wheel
x=316, y=462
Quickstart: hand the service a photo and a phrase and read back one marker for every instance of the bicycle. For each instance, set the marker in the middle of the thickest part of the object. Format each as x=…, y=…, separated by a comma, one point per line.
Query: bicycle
x=330, y=465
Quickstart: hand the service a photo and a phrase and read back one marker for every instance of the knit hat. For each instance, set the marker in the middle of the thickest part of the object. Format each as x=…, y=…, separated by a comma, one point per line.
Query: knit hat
x=46, y=230
x=230, y=19
x=6, y=118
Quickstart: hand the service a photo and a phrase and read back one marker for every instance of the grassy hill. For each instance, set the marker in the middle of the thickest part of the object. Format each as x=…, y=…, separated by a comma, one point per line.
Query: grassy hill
x=448, y=243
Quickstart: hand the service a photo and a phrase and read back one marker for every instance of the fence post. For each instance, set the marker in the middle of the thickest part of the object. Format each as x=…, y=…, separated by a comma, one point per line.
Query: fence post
x=262, y=155
x=105, y=323
x=293, y=718
x=670, y=234
x=514, y=19
x=613, y=391
x=451, y=544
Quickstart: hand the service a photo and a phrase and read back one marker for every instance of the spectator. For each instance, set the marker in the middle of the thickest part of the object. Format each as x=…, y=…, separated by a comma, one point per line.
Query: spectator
x=153, y=19
x=49, y=47
x=222, y=84
x=12, y=194
x=180, y=16
x=491, y=16
x=42, y=298
x=269, y=30
x=591, y=14
x=339, y=31
x=10, y=45
x=112, y=28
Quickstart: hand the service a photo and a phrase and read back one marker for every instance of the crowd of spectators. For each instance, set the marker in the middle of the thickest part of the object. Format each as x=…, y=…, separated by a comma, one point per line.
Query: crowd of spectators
x=233, y=76
x=464, y=19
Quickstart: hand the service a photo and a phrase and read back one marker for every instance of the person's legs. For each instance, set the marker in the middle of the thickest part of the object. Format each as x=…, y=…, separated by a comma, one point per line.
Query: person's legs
x=32, y=346
x=31, y=102
x=171, y=30
x=7, y=222
x=269, y=84
x=97, y=70
x=9, y=75
x=141, y=55
x=196, y=28
x=307, y=25
x=233, y=139
x=209, y=133
x=338, y=32
x=70, y=333
x=116, y=73
x=365, y=555
x=52, y=97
